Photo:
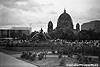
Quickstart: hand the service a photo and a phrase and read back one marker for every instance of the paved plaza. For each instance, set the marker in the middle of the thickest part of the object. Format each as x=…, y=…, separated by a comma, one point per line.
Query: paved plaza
x=9, y=61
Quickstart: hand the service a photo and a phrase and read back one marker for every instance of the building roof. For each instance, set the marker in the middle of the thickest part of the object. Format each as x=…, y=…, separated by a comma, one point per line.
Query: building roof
x=94, y=22
x=16, y=28
x=20, y=28
x=64, y=16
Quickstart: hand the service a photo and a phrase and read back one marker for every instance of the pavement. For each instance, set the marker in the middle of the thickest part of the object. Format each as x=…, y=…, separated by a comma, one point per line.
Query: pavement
x=9, y=61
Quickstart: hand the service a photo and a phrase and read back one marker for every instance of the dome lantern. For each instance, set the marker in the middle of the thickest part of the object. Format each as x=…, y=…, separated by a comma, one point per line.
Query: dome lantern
x=64, y=10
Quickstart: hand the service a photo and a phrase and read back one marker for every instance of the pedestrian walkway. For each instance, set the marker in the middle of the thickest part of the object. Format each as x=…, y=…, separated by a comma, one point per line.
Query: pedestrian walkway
x=9, y=61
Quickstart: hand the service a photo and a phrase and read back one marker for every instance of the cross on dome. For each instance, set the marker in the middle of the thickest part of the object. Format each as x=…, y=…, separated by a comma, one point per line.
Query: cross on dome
x=64, y=10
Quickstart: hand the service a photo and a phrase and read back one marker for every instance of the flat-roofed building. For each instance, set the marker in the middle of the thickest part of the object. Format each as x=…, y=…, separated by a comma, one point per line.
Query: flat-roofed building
x=24, y=30
x=15, y=32
x=93, y=25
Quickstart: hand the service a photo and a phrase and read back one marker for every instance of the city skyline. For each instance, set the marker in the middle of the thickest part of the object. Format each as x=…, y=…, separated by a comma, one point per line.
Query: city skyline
x=39, y=12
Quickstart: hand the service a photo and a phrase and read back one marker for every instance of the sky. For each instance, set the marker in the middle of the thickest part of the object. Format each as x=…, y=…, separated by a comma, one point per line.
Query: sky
x=37, y=13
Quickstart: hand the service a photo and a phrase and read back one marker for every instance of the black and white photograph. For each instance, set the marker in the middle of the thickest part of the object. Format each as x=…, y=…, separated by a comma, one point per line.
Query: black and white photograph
x=49, y=33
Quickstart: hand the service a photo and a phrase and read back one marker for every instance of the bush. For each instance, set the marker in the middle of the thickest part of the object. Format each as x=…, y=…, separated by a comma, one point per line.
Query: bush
x=32, y=57
x=40, y=56
x=23, y=55
x=60, y=56
x=62, y=62
x=53, y=51
x=26, y=55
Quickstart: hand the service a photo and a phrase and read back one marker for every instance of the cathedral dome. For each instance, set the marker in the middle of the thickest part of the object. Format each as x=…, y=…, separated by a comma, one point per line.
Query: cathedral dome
x=65, y=21
x=64, y=16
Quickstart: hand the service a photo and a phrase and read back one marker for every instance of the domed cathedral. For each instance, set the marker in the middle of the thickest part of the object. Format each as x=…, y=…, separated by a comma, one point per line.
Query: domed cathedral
x=50, y=27
x=65, y=21
x=64, y=29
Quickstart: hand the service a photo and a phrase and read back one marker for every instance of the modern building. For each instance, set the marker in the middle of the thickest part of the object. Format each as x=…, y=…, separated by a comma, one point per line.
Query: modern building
x=93, y=25
x=14, y=32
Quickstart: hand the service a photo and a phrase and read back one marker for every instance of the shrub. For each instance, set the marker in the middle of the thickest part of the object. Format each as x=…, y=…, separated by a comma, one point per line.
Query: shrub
x=60, y=56
x=40, y=56
x=23, y=55
x=32, y=57
x=62, y=62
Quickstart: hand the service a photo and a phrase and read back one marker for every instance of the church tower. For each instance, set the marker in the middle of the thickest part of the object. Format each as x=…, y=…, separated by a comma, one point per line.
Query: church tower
x=50, y=27
x=78, y=27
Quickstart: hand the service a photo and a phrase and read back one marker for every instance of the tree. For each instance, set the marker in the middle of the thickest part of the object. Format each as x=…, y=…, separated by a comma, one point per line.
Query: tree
x=33, y=33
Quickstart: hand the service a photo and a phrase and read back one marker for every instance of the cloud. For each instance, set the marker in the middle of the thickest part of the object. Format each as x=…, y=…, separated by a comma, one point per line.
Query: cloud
x=90, y=14
x=9, y=3
x=11, y=17
x=34, y=6
x=26, y=5
x=94, y=13
x=30, y=6
x=20, y=12
x=52, y=12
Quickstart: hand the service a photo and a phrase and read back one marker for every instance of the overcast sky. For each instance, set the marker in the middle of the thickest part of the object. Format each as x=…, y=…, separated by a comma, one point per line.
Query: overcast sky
x=40, y=12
